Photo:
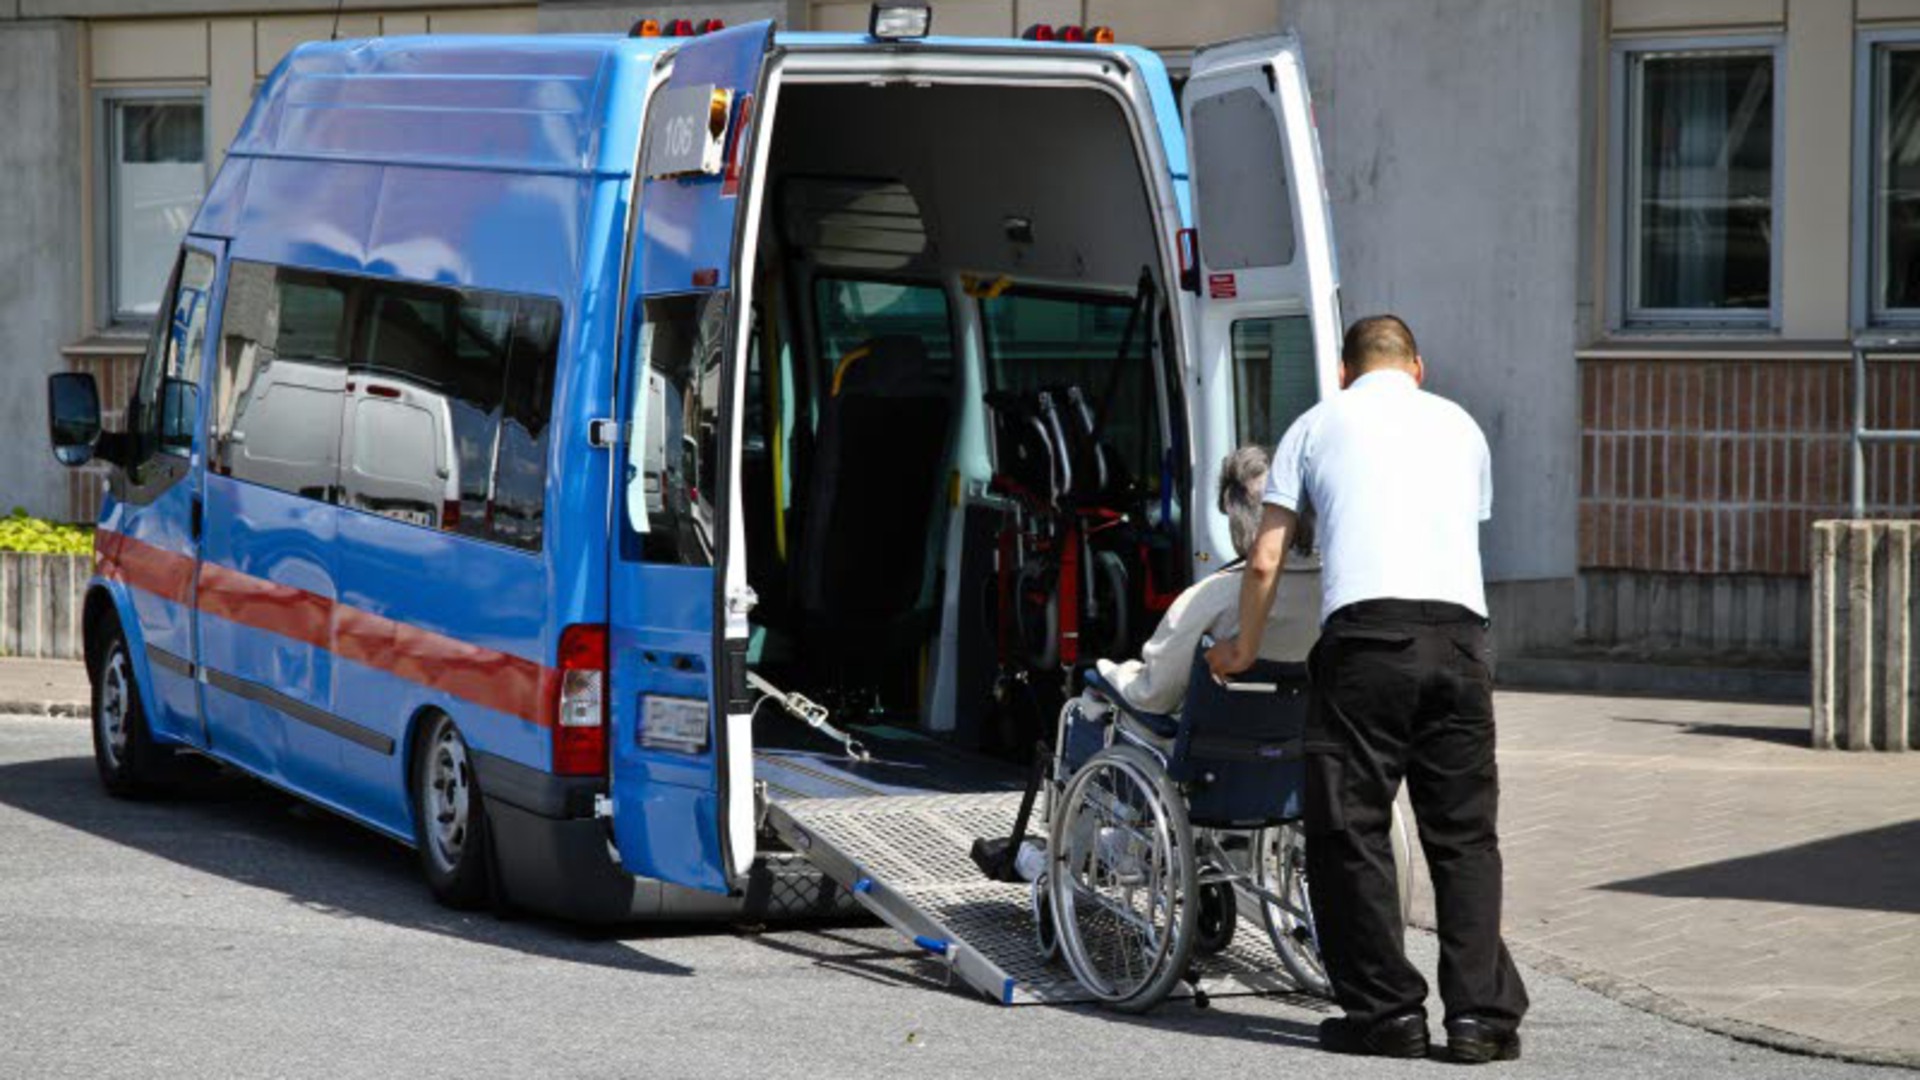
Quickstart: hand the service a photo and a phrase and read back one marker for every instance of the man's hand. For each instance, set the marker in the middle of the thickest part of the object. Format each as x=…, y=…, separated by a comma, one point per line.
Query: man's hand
x=1231, y=657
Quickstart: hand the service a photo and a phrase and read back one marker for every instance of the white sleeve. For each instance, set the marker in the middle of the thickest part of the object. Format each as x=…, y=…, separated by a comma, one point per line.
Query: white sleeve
x=1157, y=682
x=1486, y=478
x=1286, y=476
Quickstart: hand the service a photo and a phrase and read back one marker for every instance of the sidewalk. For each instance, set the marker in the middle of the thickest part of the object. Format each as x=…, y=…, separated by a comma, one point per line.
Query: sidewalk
x=1696, y=859
x=1693, y=859
x=43, y=688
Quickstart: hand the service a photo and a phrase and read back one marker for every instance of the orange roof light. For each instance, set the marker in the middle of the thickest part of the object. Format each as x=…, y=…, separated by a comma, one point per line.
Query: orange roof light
x=1101, y=35
x=645, y=28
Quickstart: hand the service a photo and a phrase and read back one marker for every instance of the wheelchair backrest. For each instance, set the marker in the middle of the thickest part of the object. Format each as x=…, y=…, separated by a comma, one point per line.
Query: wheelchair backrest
x=1238, y=750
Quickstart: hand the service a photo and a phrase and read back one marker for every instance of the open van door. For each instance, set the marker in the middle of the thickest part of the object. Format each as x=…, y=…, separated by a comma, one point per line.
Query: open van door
x=1265, y=340
x=681, y=755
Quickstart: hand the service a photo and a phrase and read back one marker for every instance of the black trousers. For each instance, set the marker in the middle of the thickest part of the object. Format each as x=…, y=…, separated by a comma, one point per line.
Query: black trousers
x=1404, y=689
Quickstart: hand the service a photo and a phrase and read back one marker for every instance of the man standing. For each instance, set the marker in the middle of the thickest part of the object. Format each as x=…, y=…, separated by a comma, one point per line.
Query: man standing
x=1400, y=480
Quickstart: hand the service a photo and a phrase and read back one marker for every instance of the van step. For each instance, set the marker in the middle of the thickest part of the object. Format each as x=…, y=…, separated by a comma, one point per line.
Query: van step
x=905, y=858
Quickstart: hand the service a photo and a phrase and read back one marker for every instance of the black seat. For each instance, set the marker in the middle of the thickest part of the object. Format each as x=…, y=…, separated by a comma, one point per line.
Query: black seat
x=1237, y=748
x=878, y=468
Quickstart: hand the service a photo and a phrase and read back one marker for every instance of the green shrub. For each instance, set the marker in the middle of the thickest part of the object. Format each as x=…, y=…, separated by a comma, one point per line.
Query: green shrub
x=19, y=532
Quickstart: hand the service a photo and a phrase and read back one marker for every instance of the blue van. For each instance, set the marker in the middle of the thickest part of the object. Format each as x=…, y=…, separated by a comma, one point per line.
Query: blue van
x=522, y=409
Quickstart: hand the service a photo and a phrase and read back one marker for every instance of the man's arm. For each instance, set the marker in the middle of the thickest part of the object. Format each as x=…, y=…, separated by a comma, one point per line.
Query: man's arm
x=1259, y=583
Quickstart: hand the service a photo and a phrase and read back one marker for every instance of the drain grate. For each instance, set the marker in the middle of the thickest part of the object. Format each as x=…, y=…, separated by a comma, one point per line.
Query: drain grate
x=916, y=847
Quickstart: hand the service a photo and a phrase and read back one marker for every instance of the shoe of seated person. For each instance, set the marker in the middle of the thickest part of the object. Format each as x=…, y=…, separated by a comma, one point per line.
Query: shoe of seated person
x=1402, y=1035
x=1473, y=1041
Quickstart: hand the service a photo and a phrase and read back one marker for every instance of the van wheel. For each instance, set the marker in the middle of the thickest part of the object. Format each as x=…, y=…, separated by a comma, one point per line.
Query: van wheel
x=449, y=823
x=131, y=764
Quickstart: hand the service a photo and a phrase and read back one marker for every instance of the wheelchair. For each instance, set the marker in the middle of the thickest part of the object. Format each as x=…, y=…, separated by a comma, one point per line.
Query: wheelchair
x=1163, y=829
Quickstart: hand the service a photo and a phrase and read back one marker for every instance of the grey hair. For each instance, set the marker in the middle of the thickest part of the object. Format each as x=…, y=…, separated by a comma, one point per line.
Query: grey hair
x=1243, y=480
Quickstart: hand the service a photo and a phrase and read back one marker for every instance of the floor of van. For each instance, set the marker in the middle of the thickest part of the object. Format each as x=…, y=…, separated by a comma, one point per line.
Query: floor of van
x=794, y=761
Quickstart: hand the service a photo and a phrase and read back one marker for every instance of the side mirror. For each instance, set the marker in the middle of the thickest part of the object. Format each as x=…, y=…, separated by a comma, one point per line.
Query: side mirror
x=73, y=416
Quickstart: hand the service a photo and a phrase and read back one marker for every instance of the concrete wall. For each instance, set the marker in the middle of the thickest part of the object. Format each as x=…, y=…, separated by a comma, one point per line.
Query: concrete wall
x=40, y=243
x=1456, y=139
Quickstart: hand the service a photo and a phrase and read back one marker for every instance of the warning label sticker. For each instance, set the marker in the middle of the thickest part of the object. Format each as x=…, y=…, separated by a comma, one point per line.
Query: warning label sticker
x=1222, y=287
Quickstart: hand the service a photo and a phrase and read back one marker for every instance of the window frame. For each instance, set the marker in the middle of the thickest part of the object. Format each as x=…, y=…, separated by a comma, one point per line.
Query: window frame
x=1624, y=312
x=1866, y=308
x=109, y=314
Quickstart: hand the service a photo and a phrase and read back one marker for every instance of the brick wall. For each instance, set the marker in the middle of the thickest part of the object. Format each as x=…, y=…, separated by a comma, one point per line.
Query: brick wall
x=1722, y=466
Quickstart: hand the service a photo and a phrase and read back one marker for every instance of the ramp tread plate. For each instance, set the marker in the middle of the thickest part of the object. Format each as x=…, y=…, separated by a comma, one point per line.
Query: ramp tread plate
x=918, y=845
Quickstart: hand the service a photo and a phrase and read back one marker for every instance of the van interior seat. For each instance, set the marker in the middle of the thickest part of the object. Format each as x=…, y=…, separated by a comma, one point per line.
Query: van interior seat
x=879, y=461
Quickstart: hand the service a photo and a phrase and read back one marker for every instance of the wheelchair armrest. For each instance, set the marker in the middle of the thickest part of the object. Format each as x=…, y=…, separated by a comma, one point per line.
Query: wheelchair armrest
x=1160, y=724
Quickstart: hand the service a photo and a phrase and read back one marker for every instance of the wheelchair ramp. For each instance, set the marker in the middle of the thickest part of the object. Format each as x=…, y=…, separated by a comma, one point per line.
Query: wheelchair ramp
x=905, y=859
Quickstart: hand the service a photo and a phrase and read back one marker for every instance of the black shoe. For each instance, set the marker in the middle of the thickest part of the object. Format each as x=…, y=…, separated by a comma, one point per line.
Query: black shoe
x=1403, y=1035
x=1472, y=1041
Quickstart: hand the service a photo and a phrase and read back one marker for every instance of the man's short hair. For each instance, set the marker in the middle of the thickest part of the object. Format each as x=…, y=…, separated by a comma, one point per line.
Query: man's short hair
x=1378, y=340
x=1243, y=481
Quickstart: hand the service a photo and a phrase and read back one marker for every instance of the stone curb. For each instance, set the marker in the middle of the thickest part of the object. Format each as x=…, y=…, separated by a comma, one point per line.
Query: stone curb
x=78, y=710
x=1646, y=999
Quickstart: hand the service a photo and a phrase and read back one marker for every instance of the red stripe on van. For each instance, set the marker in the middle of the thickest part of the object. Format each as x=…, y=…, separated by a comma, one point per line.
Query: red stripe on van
x=486, y=677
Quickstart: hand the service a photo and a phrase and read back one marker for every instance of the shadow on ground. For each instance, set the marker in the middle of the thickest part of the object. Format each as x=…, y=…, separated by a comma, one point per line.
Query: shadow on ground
x=1869, y=871
x=249, y=833
x=1780, y=735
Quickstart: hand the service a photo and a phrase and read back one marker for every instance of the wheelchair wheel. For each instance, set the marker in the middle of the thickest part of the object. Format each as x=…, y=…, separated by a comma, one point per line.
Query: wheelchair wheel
x=1280, y=869
x=1124, y=899
x=1219, y=918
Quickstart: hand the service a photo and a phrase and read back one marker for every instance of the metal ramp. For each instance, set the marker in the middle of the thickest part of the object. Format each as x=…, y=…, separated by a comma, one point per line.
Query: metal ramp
x=905, y=859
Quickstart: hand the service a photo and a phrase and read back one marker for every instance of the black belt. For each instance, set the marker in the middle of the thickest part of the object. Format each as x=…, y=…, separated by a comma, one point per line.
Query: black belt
x=1430, y=612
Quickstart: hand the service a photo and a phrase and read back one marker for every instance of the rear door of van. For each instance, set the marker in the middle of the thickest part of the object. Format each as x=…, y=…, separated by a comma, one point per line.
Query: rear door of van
x=1264, y=344
x=681, y=750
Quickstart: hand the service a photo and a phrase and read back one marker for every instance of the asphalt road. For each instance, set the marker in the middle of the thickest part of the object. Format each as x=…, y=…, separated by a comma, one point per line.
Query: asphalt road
x=236, y=933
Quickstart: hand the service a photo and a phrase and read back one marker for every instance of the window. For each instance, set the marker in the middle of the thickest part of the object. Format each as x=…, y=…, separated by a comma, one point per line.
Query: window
x=1697, y=139
x=166, y=398
x=673, y=455
x=434, y=411
x=1039, y=341
x=155, y=173
x=276, y=403
x=1893, y=178
x=1273, y=377
x=1243, y=204
x=851, y=313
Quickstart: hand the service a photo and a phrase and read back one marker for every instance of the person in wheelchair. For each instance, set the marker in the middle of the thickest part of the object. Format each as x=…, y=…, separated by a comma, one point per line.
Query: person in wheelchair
x=1157, y=681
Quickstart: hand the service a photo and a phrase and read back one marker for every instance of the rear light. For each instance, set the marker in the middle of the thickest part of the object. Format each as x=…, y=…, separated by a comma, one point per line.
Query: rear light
x=580, y=705
x=1039, y=32
x=730, y=184
x=645, y=28
x=450, y=514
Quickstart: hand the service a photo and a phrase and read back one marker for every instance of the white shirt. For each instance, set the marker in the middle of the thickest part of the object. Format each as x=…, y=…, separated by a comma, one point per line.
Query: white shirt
x=1400, y=480
x=1157, y=682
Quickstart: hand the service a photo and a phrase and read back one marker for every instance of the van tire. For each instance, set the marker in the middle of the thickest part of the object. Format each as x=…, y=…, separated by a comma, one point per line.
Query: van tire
x=449, y=817
x=130, y=763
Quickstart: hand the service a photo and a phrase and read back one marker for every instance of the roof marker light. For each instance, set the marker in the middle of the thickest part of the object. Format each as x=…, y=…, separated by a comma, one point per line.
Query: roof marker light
x=645, y=28
x=679, y=28
x=708, y=26
x=1101, y=35
x=1039, y=32
x=900, y=22
x=1071, y=35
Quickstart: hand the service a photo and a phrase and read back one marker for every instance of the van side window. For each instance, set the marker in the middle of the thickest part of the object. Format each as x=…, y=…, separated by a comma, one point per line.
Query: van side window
x=276, y=406
x=673, y=453
x=166, y=397
x=424, y=404
x=520, y=467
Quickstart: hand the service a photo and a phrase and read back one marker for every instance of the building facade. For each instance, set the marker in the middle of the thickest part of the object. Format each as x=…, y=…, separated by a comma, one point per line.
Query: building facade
x=1636, y=239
